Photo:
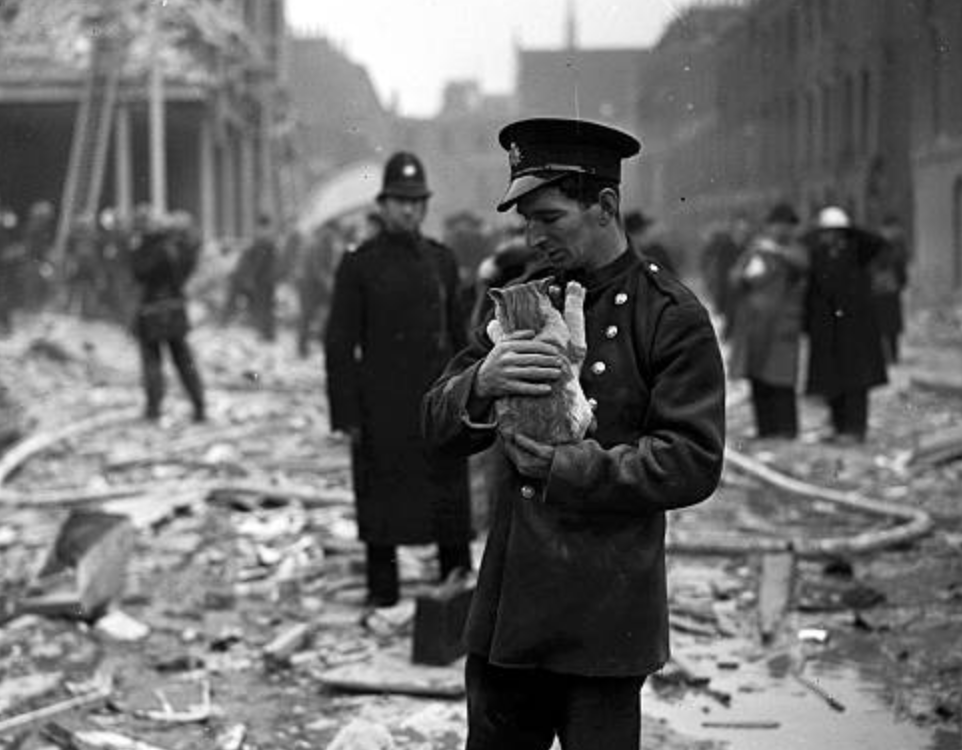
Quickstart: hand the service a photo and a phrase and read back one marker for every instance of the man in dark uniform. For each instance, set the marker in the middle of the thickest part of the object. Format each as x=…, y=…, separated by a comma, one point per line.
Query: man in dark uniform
x=846, y=359
x=161, y=262
x=570, y=612
x=394, y=323
x=262, y=260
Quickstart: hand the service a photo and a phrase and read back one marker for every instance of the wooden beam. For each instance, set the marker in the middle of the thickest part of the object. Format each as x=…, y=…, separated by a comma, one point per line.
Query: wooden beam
x=775, y=591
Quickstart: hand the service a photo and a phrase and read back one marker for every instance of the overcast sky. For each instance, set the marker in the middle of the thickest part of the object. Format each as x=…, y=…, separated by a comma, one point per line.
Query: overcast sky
x=412, y=47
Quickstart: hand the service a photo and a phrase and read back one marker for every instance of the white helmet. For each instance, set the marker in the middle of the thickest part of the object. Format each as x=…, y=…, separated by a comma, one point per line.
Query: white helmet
x=832, y=217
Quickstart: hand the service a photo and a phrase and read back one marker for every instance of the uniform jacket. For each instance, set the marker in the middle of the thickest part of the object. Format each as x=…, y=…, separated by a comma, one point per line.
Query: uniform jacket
x=845, y=344
x=768, y=287
x=573, y=575
x=161, y=263
x=395, y=321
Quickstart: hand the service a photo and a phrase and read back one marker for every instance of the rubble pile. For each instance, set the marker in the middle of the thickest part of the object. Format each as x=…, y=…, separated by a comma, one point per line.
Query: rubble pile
x=235, y=617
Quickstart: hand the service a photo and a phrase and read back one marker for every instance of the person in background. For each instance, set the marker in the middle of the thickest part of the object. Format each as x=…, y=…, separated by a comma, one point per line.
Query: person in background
x=511, y=259
x=314, y=277
x=890, y=277
x=161, y=262
x=768, y=291
x=650, y=243
x=37, y=270
x=395, y=321
x=11, y=260
x=722, y=250
x=570, y=612
x=261, y=268
x=846, y=356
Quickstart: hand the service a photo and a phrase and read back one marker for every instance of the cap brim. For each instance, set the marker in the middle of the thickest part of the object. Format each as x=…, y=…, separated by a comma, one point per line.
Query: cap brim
x=401, y=192
x=521, y=186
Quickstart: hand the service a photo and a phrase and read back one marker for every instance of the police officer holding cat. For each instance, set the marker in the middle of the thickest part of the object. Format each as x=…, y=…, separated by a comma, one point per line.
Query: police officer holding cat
x=395, y=320
x=570, y=613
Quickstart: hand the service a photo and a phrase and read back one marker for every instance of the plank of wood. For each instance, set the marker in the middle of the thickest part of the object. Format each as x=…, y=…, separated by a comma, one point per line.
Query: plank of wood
x=393, y=673
x=775, y=592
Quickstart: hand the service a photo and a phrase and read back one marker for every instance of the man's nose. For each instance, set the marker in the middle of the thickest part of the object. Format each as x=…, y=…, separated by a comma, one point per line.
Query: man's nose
x=535, y=237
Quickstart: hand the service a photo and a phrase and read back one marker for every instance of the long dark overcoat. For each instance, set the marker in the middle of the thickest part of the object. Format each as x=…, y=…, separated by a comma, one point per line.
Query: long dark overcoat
x=845, y=346
x=394, y=323
x=161, y=264
x=573, y=574
x=769, y=304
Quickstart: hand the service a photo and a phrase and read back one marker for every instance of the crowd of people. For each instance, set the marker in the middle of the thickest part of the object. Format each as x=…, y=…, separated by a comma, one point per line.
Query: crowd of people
x=828, y=288
x=569, y=614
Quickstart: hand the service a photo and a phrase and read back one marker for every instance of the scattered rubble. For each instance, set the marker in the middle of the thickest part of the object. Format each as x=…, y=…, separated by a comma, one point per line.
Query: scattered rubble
x=230, y=611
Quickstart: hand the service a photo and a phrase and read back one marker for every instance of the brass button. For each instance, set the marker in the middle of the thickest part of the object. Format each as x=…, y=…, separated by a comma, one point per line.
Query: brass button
x=599, y=367
x=527, y=492
x=611, y=332
x=621, y=298
x=653, y=267
x=593, y=403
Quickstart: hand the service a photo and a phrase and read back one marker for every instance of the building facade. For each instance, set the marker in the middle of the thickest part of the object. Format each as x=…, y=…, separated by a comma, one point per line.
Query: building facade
x=196, y=122
x=936, y=156
x=846, y=102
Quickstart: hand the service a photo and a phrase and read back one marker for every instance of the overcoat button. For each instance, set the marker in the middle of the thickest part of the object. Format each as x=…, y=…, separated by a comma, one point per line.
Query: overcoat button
x=527, y=492
x=593, y=403
x=611, y=332
x=598, y=368
x=621, y=298
x=653, y=268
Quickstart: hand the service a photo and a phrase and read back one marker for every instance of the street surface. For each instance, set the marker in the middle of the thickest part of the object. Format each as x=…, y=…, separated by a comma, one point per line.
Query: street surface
x=245, y=533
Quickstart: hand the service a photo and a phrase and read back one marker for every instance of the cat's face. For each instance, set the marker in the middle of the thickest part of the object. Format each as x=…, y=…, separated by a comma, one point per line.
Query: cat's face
x=523, y=306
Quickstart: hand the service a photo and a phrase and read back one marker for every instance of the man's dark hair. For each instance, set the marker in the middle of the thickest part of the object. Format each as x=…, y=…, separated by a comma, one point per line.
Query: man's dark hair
x=585, y=188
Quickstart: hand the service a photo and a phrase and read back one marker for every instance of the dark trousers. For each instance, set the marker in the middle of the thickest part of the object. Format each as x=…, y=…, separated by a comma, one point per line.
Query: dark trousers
x=776, y=410
x=850, y=413
x=524, y=709
x=153, y=374
x=311, y=302
x=383, y=584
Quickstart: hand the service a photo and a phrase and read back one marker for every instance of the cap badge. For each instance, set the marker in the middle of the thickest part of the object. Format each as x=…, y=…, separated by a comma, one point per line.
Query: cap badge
x=514, y=156
x=409, y=170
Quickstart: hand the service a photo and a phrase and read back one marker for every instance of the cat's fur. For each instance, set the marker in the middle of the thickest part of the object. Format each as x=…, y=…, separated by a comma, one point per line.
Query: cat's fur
x=565, y=415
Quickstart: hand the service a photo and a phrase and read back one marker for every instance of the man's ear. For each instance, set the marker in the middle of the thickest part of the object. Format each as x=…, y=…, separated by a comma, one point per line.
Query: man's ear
x=609, y=202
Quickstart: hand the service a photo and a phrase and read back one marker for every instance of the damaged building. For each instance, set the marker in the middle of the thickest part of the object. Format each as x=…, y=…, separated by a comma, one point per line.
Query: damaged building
x=177, y=103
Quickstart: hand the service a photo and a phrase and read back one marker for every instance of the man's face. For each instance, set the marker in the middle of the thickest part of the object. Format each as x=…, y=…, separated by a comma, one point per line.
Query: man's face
x=403, y=214
x=560, y=228
x=782, y=231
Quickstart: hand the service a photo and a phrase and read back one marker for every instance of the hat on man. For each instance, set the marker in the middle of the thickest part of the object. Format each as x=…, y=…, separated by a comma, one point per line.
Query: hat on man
x=542, y=151
x=833, y=217
x=404, y=178
x=782, y=213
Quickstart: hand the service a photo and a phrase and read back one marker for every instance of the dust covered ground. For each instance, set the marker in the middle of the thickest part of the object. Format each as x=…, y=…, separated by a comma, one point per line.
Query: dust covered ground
x=244, y=534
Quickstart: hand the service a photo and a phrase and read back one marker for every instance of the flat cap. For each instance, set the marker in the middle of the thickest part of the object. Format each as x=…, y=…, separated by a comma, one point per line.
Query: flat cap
x=544, y=150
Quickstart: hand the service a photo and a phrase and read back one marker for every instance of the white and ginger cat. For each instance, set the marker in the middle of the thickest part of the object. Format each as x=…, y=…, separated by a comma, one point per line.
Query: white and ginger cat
x=565, y=415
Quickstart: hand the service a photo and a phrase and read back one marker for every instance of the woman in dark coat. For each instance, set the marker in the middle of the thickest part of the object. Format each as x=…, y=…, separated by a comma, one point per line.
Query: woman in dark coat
x=768, y=291
x=846, y=358
x=395, y=321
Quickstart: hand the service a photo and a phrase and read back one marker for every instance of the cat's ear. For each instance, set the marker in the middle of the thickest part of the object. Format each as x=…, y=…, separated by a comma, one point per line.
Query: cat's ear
x=497, y=295
x=545, y=284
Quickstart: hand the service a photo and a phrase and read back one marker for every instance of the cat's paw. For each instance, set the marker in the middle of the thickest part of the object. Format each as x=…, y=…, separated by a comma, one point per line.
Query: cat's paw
x=574, y=292
x=495, y=331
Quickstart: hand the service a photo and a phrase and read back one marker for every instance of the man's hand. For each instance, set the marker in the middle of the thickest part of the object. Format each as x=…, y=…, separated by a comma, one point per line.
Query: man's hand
x=531, y=458
x=519, y=366
x=348, y=436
